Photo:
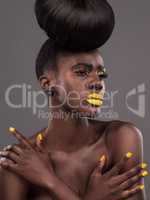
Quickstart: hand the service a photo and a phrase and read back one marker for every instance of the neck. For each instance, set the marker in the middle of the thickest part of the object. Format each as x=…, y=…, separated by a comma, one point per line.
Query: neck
x=68, y=133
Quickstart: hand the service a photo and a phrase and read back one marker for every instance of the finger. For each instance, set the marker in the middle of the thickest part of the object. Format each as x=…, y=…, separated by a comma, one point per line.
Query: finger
x=127, y=175
x=17, y=149
x=14, y=148
x=8, y=164
x=4, y=159
x=99, y=167
x=7, y=147
x=10, y=155
x=129, y=183
x=21, y=138
x=117, y=168
x=131, y=192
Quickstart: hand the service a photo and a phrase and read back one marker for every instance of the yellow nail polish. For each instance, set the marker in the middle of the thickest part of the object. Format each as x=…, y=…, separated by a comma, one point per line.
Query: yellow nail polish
x=12, y=129
x=129, y=155
x=144, y=173
x=102, y=158
x=143, y=165
x=141, y=186
x=40, y=137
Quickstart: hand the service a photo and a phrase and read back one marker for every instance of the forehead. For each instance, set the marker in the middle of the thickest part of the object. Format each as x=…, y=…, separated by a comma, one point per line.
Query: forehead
x=70, y=59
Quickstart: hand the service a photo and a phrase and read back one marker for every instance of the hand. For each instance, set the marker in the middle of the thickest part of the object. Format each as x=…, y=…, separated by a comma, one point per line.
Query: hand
x=31, y=163
x=112, y=185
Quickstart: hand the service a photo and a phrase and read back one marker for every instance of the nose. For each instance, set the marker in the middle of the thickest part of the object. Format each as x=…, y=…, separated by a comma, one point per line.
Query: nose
x=96, y=83
x=95, y=86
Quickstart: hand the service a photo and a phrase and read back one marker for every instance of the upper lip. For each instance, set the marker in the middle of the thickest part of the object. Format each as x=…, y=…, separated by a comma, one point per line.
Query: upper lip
x=95, y=95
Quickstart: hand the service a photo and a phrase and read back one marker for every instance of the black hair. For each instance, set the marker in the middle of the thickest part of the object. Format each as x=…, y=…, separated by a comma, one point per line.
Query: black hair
x=76, y=25
x=47, y=57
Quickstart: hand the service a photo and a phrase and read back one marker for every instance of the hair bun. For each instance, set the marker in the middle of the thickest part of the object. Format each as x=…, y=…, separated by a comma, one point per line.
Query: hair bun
x=76, y=25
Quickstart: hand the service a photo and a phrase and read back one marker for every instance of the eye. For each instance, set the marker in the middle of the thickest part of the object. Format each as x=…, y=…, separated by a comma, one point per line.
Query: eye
x=82, y=73
x=102, y=73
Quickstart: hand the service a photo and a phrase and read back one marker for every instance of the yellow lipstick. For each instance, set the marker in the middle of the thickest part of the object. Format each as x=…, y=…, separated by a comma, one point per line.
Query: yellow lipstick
x=95, y=99
x=96, y=96
x=95, y=102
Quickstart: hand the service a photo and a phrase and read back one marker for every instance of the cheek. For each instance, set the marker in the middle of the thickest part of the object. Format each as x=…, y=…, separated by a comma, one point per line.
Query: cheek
x=72, y=83
x=71, y=88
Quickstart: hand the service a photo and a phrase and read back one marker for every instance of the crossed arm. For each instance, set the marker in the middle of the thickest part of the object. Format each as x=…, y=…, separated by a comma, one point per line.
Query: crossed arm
x=128, y=138
x=58, y=190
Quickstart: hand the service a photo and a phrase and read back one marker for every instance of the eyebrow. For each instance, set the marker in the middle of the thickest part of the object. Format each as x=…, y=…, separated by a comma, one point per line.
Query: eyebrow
x=87, y=65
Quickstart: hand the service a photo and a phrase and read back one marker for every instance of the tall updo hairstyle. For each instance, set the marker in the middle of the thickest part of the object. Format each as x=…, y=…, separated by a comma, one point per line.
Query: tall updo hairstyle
x=76, y=25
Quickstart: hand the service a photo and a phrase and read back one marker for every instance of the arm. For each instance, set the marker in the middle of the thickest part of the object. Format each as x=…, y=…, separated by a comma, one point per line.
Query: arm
x=34, y=165
x=128, y=138
x=58, y=190
x=11, y=186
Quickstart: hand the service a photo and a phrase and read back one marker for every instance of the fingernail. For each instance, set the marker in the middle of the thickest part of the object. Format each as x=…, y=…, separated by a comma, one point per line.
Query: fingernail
x=143, y=165
x=102, y=158
x=129, y=155
x=7, y=147
x=144, y=173
x=12, y=129
x=40, y=137
x=3, y=153
x=2, y=160
x=141, y=186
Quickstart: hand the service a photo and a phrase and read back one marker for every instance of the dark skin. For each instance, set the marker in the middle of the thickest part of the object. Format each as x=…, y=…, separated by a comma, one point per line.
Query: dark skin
x=65, y=165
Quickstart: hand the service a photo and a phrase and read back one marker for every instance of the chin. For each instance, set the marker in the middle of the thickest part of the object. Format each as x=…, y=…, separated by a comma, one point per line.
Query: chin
x=84, y=110
x=88, y=111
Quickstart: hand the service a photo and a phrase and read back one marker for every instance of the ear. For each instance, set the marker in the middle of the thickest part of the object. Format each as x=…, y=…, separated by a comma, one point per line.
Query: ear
x=46, y=80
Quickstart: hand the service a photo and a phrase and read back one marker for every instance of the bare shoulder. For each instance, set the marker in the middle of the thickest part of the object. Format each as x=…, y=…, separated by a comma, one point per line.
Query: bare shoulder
x=122, y=131
x=123, y=137
x=120, y=135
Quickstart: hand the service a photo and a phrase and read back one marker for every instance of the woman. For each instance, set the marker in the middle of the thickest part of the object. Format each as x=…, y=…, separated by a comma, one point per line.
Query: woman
x=74, y=157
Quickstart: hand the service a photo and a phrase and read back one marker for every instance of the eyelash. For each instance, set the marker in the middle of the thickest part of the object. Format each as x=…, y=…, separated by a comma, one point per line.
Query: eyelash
x=85, y=73
x=81, y=73
x=104, y=75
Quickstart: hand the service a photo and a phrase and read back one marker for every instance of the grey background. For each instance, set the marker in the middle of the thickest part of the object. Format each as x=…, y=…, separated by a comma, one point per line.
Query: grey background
x=126, y=56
